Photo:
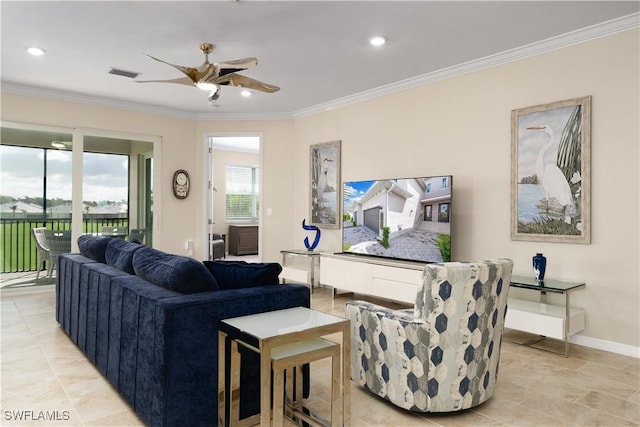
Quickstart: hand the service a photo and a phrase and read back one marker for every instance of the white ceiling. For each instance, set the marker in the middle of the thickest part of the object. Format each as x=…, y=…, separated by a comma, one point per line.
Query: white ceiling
x=316, y=51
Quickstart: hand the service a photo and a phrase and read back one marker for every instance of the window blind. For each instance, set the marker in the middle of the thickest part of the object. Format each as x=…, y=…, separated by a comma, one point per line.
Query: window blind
x=242, y=192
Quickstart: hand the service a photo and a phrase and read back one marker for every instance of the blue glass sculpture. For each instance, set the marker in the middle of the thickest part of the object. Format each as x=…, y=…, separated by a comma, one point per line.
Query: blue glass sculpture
x=306, y=239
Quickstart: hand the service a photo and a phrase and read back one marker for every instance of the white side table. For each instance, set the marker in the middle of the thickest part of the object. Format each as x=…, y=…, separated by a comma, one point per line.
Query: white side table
x=265, y=331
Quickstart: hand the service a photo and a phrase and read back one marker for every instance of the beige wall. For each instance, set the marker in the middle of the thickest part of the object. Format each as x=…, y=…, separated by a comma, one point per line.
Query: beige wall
x=458, y=126
x=461, y=126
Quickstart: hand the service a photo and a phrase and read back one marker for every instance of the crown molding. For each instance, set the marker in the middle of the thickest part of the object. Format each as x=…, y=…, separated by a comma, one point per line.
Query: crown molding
x=47, y=93
x=582, y=35
x=593, y=32
x=60, y=95
x=244, y=116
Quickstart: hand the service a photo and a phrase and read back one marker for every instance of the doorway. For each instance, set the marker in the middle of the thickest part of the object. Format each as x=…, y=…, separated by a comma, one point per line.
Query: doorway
x=234, y=173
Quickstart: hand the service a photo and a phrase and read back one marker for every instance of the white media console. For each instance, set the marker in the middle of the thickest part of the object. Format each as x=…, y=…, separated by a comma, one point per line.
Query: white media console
x=399, y=281
x=394, y=280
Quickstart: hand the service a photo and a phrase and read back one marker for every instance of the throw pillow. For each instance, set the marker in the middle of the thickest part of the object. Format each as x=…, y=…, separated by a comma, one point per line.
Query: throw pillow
x=93, y=247
x=119, y=254
x=177, y=273
x=241, y=274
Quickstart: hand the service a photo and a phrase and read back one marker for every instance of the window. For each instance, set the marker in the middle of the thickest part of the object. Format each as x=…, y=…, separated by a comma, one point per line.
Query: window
x=242, y=193
x=427, y=213
x=445, y=182
x=443, y=215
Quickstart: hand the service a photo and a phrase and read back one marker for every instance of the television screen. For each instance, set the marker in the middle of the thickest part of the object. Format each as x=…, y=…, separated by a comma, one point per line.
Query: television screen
x=405, y=219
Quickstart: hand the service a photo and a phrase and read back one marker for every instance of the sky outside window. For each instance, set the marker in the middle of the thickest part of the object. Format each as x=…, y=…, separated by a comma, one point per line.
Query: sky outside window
x=105, y=176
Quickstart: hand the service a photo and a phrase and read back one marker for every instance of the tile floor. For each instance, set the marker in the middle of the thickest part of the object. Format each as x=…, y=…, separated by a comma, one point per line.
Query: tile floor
x=43, y=372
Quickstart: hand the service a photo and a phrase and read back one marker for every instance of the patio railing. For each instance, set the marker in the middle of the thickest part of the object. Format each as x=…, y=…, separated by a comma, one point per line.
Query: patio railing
x=18, y=249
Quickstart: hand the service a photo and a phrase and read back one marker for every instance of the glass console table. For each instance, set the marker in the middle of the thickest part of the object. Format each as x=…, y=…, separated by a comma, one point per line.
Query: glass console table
x=542, y=318
x=301, y=265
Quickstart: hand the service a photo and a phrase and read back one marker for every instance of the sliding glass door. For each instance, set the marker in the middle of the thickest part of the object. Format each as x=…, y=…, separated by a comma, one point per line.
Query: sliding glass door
x=36, y=193
x=71, y=182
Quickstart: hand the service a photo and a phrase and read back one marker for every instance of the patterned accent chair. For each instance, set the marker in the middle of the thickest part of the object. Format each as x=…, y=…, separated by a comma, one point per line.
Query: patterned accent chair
x=443, y=354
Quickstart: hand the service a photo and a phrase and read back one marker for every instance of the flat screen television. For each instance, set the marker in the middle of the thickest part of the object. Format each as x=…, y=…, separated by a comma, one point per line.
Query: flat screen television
x=405, y=219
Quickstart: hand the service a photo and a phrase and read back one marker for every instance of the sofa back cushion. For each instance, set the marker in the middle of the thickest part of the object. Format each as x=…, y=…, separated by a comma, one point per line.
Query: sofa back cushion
x=177, y=273
x=119, y=254
x=93, y=247
x=241, y=274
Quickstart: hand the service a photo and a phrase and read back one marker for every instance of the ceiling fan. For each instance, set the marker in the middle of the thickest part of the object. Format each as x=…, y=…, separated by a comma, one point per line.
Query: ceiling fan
x=210, y=76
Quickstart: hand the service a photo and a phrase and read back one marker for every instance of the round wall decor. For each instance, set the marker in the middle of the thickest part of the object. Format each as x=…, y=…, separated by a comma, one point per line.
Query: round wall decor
x=181, y=184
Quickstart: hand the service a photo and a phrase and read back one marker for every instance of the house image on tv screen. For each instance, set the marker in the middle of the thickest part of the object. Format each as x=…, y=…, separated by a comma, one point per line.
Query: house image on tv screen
x=407, y=218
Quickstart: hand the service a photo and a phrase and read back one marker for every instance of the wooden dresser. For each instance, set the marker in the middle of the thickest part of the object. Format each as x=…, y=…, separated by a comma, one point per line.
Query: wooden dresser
x=243, y=239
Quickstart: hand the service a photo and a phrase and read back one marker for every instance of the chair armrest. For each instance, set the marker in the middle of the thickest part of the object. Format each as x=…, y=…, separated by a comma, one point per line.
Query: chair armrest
x=389, y=351
x=404, y=316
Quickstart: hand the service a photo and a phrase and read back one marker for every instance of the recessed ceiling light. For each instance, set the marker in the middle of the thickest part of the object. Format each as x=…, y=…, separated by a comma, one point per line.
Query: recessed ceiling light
x=377, y=40
x=245, y=93
x=35, y=51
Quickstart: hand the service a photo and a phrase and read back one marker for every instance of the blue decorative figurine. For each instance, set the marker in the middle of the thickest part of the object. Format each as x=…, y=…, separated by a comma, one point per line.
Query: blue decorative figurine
x=306, y=239
x=539, y=266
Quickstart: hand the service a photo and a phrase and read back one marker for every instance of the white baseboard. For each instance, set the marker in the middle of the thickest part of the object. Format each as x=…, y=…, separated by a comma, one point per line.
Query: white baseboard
x=614, y=347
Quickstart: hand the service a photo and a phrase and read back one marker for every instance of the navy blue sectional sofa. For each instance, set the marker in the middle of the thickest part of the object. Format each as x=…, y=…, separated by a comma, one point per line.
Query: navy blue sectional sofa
x=148, y=321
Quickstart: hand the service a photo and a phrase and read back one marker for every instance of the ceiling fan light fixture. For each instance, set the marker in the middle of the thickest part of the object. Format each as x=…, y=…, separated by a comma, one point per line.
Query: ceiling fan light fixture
x=35, y=51
x=61, y=145
x=245, y=93
x=206, y=86
x=377, y=41
x=210, y=76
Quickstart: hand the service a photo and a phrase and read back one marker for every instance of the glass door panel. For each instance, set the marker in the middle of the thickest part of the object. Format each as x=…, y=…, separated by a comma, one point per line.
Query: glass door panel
x=36, y=192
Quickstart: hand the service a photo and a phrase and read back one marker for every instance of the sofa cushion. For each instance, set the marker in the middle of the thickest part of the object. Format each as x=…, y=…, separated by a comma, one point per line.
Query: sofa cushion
x=177, y=273
x=93, y=247
x=241, y=274
x=119, y=254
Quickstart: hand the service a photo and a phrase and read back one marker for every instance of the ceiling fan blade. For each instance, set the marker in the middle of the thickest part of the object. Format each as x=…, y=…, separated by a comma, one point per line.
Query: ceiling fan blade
x=229, y=67
x=247, y=82
x=188, y=71
x=182, y=80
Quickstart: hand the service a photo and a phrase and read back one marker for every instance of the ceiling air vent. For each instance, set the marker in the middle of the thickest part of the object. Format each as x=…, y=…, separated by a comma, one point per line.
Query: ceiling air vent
x=123, y=73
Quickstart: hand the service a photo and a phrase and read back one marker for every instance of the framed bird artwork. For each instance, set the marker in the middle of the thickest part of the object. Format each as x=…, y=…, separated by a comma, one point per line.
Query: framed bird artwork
x=550, y=172
x=325, y=185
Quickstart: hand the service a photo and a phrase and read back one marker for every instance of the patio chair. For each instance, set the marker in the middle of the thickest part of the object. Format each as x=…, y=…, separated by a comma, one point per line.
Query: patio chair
x=58, y=242
x=137, y=235
x=114, y=231
x=42, y=248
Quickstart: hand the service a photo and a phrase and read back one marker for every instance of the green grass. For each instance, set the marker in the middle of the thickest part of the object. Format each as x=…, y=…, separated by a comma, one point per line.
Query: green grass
x=18, y=249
